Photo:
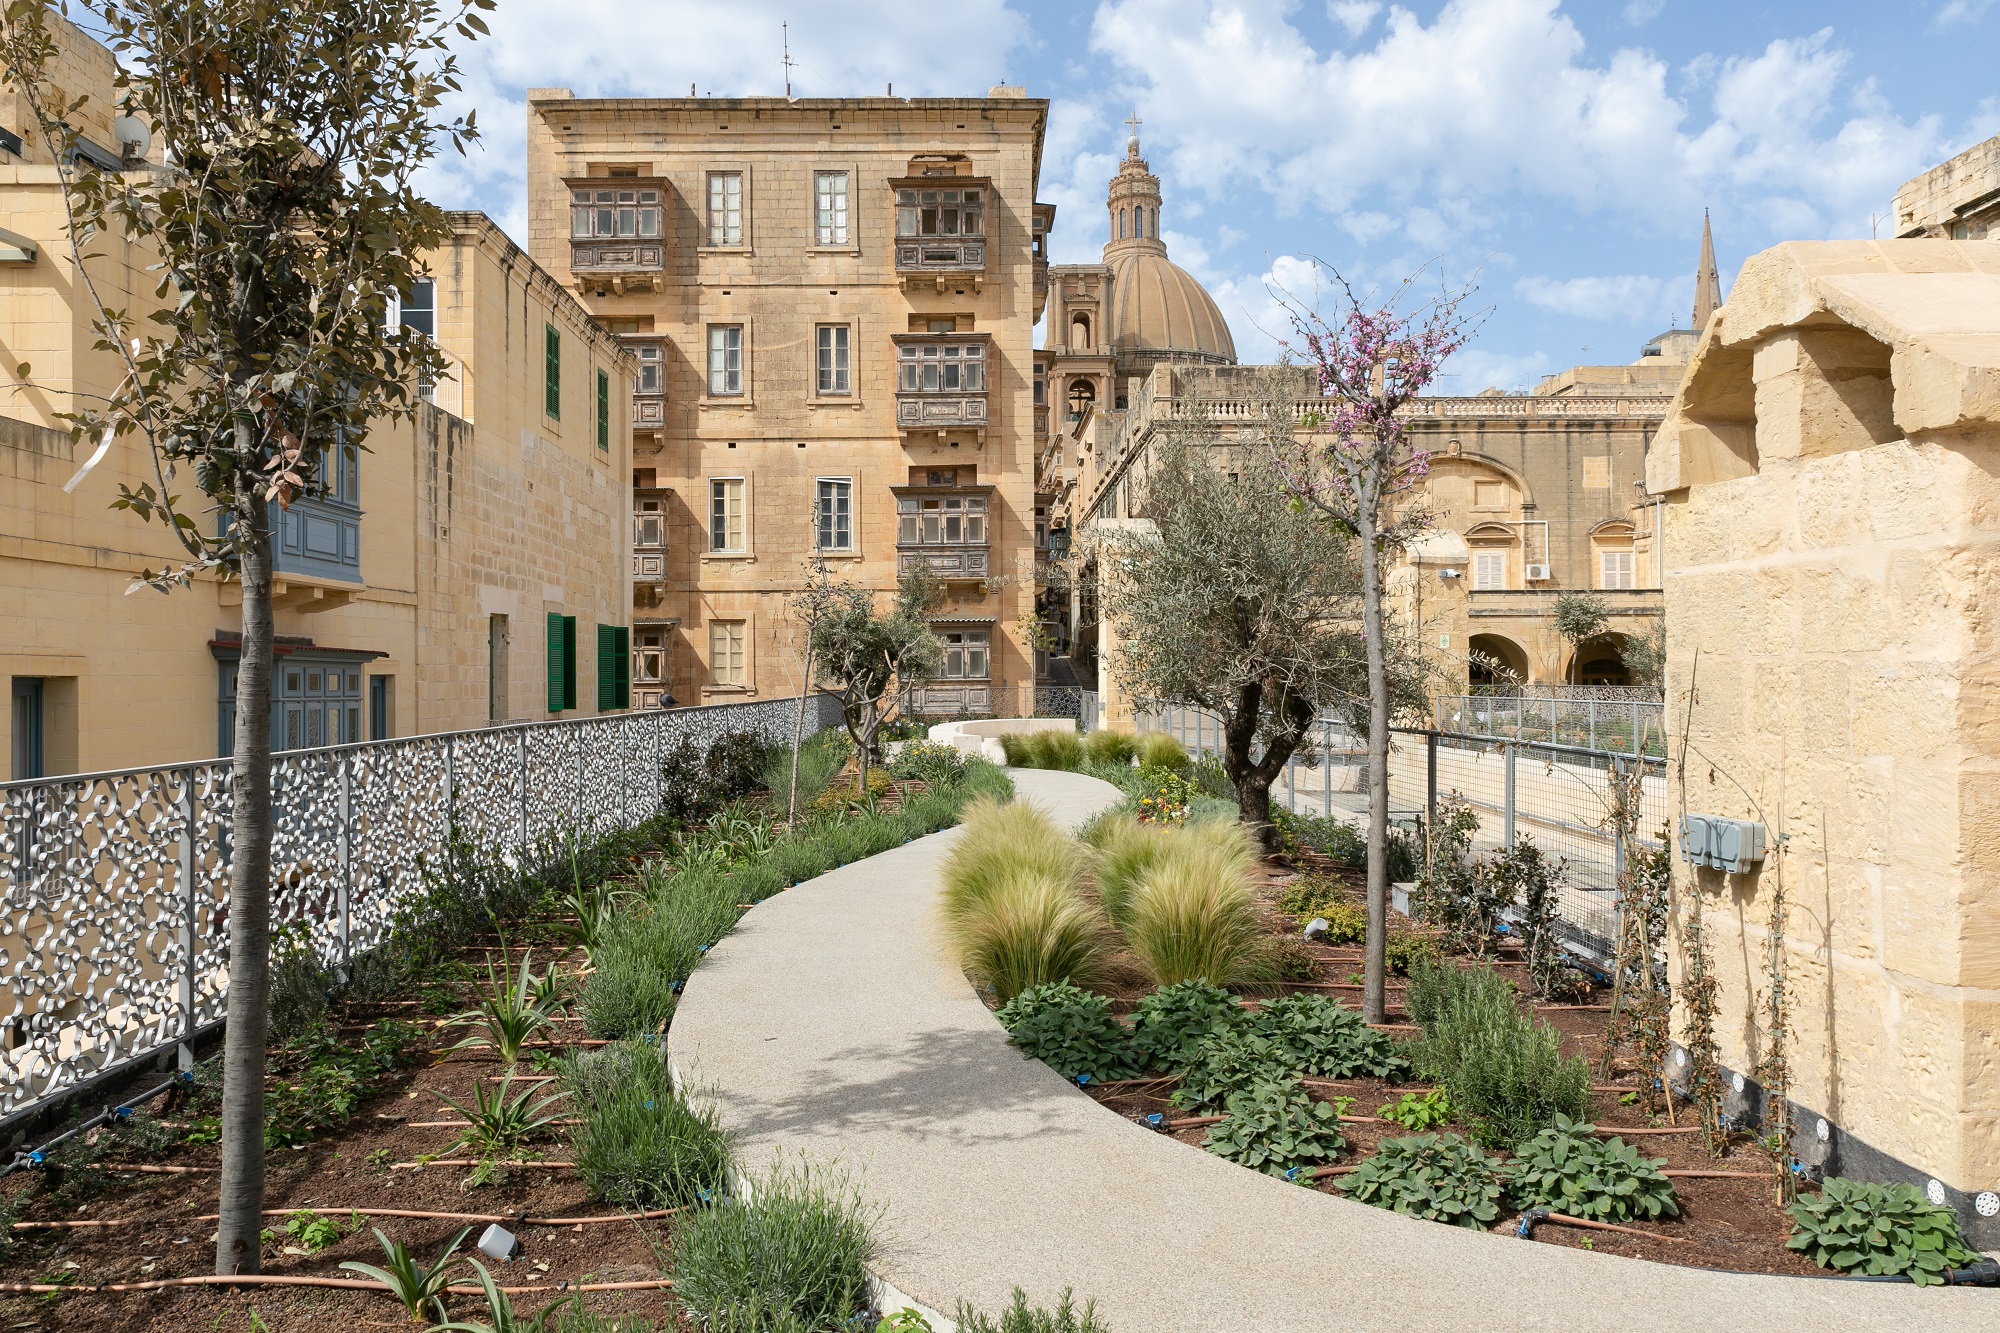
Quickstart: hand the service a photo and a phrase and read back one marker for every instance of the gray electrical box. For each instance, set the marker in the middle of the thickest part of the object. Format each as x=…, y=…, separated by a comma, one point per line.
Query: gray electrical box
x=1734, y=846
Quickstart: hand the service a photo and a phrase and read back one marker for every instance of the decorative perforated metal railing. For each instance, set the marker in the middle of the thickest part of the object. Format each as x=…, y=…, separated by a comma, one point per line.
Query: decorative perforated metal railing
x=114, y=901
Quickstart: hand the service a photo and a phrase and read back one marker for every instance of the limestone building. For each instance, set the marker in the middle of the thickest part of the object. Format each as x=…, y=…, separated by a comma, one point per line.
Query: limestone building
x=467, y=567
x=1831, y=516
x=832, y=305
x=1532, y=495
x=1958, y=200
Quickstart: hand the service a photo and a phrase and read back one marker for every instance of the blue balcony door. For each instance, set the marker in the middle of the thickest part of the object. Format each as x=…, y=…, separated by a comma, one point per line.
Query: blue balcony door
x=314, y=702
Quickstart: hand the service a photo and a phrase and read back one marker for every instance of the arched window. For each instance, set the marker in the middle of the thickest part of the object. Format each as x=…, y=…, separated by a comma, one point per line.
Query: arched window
x=1121, y=224
x=1613, y=562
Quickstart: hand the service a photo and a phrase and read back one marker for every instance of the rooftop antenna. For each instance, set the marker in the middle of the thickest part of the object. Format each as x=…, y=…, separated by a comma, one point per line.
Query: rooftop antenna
x=785, y=32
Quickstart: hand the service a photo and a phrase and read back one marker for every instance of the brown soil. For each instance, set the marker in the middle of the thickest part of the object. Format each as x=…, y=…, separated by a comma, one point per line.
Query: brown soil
x=1730, y=1224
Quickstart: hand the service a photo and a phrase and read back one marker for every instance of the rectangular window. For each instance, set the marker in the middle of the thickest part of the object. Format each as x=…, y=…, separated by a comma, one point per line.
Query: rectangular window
x=419, y=309
x=966, y=654
x=551, y=372
x=603, y=410
x=725, y=360
x=940, y=212
x=562, y=662
x=942, y=368
x=649, y=370
x=648, y=525
x=726, y=529
x=1616, y=568
x=835, y=511
x=833, y=359
x=725, y=208
x=614, y=668
x=1489, y=570
x=598, y=214
x=649, y=663
x=725, y=652
x=829, y=208
x=941, y=521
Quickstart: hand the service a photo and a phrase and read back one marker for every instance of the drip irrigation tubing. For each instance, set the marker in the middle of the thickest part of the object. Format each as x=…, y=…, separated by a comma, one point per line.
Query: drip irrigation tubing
x=39, y=1156
x=91, y=1224
x=1534, y=1217
x=474, y=1161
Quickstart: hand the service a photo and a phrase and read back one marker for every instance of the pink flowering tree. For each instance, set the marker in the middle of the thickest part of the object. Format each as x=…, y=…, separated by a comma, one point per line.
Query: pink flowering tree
x=1352, y=459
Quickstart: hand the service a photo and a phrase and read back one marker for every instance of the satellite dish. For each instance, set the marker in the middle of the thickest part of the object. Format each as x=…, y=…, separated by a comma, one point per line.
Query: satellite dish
x=133, y=138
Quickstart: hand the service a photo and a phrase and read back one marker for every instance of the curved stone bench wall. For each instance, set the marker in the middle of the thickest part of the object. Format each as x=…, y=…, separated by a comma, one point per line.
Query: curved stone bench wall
x=830, y=1025
x=979, y=738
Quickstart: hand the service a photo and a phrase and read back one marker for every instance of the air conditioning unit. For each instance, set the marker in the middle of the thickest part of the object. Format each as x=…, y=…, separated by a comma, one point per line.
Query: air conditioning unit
x=1538, y=573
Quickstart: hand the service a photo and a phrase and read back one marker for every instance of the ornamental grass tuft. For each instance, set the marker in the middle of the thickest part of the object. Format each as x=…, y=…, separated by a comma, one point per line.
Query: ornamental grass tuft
x=1110, y=747
x=1156, y=749
x=997, y=842
x=1192, y=916
x=1126, y=850
x=1029, y=929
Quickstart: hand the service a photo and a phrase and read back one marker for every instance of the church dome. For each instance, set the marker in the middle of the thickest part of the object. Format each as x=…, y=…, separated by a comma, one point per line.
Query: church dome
x=1159, y=312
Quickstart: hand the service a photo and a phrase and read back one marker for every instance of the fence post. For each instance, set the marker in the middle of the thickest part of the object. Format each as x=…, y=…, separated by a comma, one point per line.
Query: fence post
x=185, y=863
x=1431, y=782
x=1636, y=748
x=1618, y=831
x=521, y=755
x=344, y=886
x=1508, y=826
x=1592, y=705
x=1326, y=766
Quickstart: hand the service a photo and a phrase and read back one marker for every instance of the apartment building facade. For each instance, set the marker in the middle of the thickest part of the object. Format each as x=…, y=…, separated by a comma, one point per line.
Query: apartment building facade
x=465, y=567
x=831, y=304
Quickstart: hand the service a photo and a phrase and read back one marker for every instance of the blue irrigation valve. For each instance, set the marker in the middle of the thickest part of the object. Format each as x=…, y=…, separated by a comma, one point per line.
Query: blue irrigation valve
x=1292, y=1173
x=37, y=1158
x=1083, y=1080
x=121, y=1113
x=1154, y=1121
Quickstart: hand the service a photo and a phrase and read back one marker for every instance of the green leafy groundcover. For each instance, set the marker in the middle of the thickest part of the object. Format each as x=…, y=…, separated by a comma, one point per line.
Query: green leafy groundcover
x=1568, y=1168
x=1440, y=1177
x=1277, y=1127
x=1071, y=1031
x=1852, y=1227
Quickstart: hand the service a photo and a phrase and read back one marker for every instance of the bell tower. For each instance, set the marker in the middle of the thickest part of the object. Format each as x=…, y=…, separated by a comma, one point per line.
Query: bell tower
x=1132, y=207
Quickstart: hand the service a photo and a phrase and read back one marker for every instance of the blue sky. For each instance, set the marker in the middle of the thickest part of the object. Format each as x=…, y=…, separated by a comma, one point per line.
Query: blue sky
x=1561, y=152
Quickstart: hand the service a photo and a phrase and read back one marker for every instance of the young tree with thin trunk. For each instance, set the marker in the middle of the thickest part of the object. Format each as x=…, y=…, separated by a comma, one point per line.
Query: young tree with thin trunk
x=1355, y=463
x=1236, y=600
x=822, y=596
x=283, y=222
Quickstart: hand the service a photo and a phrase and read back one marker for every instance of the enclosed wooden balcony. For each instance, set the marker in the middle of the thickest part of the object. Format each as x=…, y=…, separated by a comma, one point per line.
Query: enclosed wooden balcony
x=941, y=234
x=941, y=382
x=616, y=242
x=945, y=529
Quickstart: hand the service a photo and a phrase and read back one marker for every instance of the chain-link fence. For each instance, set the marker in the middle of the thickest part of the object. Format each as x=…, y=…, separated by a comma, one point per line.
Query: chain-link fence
x=1625, y=726
x=1559, y=796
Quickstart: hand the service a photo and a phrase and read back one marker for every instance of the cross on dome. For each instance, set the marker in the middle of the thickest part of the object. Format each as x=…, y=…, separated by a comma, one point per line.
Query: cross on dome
x=1132, y=122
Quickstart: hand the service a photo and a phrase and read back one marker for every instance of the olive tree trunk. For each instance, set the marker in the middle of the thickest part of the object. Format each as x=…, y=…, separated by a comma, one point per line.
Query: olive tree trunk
x=1374, y=992
x=237, y=1248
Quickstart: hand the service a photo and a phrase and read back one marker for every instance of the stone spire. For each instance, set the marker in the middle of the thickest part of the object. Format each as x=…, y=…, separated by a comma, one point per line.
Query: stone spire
x=1707, y=283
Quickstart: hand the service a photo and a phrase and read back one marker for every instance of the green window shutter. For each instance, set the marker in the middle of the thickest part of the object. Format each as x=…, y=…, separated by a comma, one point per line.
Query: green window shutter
x=603, y=411
x=621, y=665
x=607, y=674
x=569, y=661
x=555, y=663
x=552, y=371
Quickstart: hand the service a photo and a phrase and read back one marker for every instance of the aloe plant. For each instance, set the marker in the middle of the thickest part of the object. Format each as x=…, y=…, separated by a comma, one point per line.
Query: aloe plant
x=594, y=906
x=500, y=1312
x=420, y=1289
x=511, y=1013
x=500, y=1121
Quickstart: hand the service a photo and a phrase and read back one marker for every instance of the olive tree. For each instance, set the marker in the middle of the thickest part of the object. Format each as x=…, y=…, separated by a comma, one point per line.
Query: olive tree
x=1235, y=599
x=866, y=655
x=282, y=223
x=1580, y=617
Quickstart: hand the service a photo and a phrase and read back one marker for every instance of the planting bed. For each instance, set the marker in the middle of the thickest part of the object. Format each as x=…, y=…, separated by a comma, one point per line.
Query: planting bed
x=355, y=1129
x=1726, y=1221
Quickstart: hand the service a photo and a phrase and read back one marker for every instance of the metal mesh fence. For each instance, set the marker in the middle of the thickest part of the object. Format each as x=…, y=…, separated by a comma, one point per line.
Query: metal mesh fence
x=1558, y=796
x=114, y=890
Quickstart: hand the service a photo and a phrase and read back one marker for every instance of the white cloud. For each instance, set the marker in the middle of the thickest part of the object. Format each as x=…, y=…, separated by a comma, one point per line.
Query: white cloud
x=1629, y=298
x=657, y=48
x=1437, y=121
x=1476, y=369
x=1638, y=13
x=1353, y=15
x=1962, y=11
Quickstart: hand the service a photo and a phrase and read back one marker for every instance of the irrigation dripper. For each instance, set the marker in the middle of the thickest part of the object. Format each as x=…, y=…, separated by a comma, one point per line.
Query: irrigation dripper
x=1083, y=1080
x=1155, y=1121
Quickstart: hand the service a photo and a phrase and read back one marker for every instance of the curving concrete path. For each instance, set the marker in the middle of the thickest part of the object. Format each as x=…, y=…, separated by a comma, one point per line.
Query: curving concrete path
x=829, y=1025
